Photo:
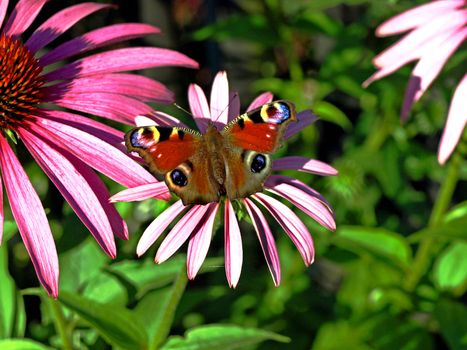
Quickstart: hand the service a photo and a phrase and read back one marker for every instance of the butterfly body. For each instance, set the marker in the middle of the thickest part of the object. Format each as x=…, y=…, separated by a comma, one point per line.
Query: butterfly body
x=201, y=168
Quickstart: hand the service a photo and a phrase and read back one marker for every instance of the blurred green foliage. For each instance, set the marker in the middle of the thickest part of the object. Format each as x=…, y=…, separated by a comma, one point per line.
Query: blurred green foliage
x=393, y=275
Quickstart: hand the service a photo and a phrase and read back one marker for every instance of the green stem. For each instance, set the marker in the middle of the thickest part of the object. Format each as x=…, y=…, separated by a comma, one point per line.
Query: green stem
x=60, y=324
x=424, y=254
x=170, y=307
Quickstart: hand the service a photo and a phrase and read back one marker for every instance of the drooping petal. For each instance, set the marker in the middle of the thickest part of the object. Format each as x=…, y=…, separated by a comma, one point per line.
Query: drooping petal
x=3, y=8
x=268, y=245
x=131, y=85
x=304, y=164
x=417, y=16
x=220, y=99
x=59, y=23
x=96, y=153
x=114, y=107
x=455, y=123
x=100, y=130
x=152, y=190
x=30, y=218
x=120, y=60
x=292, y=225
x=418, y=37
x=304, y=198
x=262, y=99
x=155, y=229
x=190, y=222
x=198, y=245
x=97, y=38
x=304, y=119
x=199, y=107
x=2, y=215
x=429, y=67
x=74, y=188
x=164, y=119
x=232, y=246
x=24, y=13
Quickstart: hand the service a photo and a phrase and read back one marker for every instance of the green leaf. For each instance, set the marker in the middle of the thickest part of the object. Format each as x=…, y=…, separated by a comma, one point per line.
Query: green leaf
x=9, y=229
x=453, y=229
x=221, y=337
x=21, y=344
x=378, y=242
x=452, y=318
x=332, y=335
x=331, y=113
x=450, y=271
x=457, y=212
x=115, y=324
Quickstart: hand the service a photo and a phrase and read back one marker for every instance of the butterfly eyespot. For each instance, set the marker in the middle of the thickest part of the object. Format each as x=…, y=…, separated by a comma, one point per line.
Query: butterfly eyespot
x=258, y=164
x=178, y=178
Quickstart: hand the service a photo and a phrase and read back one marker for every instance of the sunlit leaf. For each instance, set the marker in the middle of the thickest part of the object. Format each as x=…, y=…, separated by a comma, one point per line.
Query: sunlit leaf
x=116, y=325
x=375, y=241
x=450, y=271
x=221, y=337
x=331, y=113
x=22, y=344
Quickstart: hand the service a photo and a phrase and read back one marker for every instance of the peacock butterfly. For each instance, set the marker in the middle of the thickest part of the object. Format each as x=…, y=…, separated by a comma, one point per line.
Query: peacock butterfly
x=201, y=168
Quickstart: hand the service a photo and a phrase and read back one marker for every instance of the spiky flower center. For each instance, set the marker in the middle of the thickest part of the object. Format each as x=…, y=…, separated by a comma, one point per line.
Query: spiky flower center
x=20, y=82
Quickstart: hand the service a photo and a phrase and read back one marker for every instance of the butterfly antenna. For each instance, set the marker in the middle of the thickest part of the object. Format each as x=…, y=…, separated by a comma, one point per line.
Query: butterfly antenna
x=234, y=96
x=183, y=109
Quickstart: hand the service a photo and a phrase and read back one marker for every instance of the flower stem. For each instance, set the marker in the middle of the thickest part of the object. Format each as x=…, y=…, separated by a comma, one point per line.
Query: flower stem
x=425, y=251
x=60, y=324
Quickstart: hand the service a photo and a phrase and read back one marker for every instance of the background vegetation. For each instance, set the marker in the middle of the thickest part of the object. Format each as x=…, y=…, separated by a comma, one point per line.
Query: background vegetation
x=393, y=275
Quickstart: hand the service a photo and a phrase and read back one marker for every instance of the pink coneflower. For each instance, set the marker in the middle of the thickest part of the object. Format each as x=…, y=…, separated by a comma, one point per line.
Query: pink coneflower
x=437, y=29
x=196, y=224
x=67, y=145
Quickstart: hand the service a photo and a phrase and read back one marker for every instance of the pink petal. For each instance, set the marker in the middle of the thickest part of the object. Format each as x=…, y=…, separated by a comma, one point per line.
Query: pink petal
x=455, y=124
x=140, y=193
x=417, y=38
x=304, y=198
x=2, y=215
x=199, y=107
x=234, y=106
x=429, y=67
x=161, y=118
x=190, y=222
x=232, y=246
x=131, y=85
x=417, y=16
x=115, y=107
x=59, y=23
x=305, y=118
x=3, y=8
x=292, y=225
x=120, y=60
x=265, y=239
x=24, y=13
x=96, y=153
x=101, y=131
x=198, y=245
x=97, y=38
x=74, y=188
x=220, y=99
x=30, y=218
x=304, y=164
x=264, y=98
x=155, y=229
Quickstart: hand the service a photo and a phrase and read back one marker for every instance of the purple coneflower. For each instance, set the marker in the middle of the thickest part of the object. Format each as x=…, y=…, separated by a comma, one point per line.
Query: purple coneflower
x=437, y=29
x=66, y=145
x=196, y=224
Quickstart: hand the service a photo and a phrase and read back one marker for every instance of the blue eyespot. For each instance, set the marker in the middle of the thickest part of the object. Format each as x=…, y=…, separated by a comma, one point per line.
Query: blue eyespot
x=278, y=113
x=179, y=178
x=258, y=163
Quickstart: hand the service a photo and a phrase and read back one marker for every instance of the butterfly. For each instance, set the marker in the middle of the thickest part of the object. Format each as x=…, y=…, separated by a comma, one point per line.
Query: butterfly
x=201, y=168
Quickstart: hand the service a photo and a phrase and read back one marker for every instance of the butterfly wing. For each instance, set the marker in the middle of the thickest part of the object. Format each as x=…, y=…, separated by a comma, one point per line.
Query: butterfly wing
x=250, y=139
x=179, y=155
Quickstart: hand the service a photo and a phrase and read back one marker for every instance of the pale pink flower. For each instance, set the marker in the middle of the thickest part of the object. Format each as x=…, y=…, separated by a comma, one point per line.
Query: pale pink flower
x=436, y=30
x=66, y=145
x=196, y=225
